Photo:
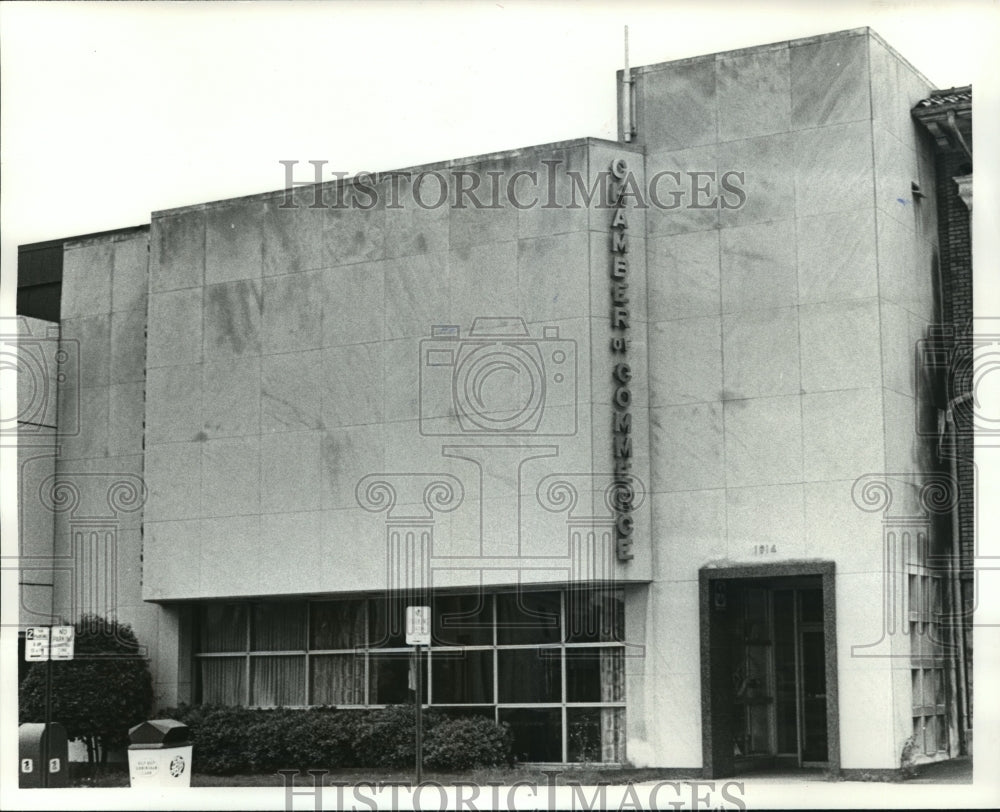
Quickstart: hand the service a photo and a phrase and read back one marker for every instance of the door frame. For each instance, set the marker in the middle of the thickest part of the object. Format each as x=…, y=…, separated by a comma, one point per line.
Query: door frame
x=720, y=766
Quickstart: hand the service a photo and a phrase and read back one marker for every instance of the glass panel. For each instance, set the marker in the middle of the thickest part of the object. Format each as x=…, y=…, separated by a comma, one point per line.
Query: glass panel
x=392, y=679
x=930, y=735
x=530, y=675
x=595, y=675
x=337, y=624
x=812, y=605
x=583, y=734
x=914, y=597
x=942, y=734
x=278, y=627
x=915, y=643
x=528, y=617
x=387, y=621
x=463, y=620
x=223, y=627
x=277, y=681
x=814, y=742
x=755, y=607
x=223, y=680
x=938, y=686
x=917, y=690
x=337, y=679
x=462, y=676
x=784, y=671
x=595, y=615
x=537, y=733
x=925, y=597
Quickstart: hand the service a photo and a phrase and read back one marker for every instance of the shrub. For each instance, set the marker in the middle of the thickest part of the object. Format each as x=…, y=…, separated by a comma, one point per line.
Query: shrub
x=98, y=695
x=232, y=740
x=464, y=743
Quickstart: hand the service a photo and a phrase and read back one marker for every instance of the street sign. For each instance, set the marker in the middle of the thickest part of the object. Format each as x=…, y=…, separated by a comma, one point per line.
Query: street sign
x=61, y=646
x=418, y=625
x=36, y=644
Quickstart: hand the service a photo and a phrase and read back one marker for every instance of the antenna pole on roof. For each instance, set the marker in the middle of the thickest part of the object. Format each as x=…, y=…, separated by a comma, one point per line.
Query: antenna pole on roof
x=628, y=129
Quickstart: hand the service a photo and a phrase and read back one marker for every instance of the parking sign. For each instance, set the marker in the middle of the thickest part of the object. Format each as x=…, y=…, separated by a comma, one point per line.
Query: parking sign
x=61, y=646
x=36, y=644
x=418, y=625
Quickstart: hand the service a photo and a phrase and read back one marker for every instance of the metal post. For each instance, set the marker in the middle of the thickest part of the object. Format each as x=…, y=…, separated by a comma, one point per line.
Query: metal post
x=420, y=717
x=44, y=766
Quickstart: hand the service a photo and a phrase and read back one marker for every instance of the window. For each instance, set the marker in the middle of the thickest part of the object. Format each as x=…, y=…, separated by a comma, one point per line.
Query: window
x=549, y=663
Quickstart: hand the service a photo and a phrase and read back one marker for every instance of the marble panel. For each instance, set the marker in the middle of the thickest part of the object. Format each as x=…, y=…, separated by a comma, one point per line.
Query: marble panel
x=842, y=434
x=231, y=397
x=763, y=441
x=92, y=338
x=676, y=205
x=177, y=251
x=683, y=276
x=173, y=477
x=687, y=447
x=417, y=295
x=833, y=169
x=230, y=548
x=173, y=404
x=747, y=532
x=473, y=226
x=86, y=282
x=292, y=317
x=405, y=371
x=690, y=530
x=230, y=470
x=895, y=172
x=685, y=361
x=841, y=347
x=126, y=411
x=754, y=94
x=411, y=228
x=233, y=319
x=130, y=276
x=293, y=237
x=234, y=242
x=552, y=277
x=353, y=384
x=482, y=280
x=763, y=177
x=902, y=449
x=354, y=303
x=291, y=552
x=761, y=353
x=349, y=454
x=128, y=346
x=837, y=528
x=758, y=266
x=836, y=256
x=175, y=328
x=171, y=560
x=290, y=471
x=830, y=81
x=899, y=355
x=352, y=235
x=291, y=391
x=690, y=87
x=92, y=439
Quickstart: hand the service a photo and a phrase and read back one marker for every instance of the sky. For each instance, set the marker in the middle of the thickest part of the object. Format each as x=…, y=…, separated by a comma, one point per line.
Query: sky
x=114, y=110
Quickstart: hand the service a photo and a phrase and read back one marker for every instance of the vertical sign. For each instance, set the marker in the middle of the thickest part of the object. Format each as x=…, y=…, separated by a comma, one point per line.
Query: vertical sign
x=418, y=625
x=62, y=642
x=36, y=644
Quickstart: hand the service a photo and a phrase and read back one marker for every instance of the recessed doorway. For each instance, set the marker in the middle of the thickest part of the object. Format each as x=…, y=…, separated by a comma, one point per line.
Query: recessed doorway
x=768, y=670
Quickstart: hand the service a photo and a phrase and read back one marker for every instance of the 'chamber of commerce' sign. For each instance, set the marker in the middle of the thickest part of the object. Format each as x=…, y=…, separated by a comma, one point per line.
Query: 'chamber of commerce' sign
x=621, y=371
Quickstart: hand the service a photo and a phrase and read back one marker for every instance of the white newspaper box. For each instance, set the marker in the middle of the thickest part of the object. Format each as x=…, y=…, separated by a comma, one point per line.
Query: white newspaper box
x=159, y=754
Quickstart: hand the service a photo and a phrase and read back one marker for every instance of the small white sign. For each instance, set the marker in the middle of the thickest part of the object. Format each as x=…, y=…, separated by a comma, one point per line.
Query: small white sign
x=418, y=625
x=54, y=765
x=62, y=644
x=27, y=765
x=36, y=644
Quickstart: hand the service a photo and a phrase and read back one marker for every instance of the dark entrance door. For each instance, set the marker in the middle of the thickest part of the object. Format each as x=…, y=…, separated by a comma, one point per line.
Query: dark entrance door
x=765, y=672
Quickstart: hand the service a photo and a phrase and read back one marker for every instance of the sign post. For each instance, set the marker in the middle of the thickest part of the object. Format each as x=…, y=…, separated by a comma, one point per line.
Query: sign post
x=48, y=643
x=418, y=633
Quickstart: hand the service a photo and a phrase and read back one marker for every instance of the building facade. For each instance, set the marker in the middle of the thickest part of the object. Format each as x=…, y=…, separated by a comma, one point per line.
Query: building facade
x=641, y=420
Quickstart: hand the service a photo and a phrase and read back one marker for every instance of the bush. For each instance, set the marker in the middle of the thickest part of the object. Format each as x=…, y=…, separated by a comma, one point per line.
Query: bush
x=233, y=740
x=98, y=695
x=464, y=743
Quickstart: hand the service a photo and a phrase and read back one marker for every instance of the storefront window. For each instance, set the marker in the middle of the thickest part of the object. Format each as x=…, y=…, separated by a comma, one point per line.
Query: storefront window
x=550, y=663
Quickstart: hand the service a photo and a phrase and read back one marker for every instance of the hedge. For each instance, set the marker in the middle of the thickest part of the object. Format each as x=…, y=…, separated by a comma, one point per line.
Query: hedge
x=241, y=740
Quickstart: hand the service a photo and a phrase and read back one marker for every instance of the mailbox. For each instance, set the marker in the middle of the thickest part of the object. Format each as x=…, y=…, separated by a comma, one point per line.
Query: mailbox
x=159, y=754
x=44, y=755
